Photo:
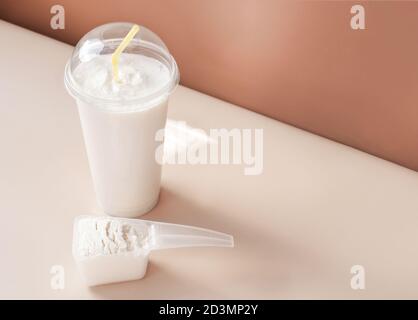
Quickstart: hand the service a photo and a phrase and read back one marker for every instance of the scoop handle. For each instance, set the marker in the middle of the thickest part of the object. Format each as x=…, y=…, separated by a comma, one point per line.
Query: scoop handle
x=169, y=235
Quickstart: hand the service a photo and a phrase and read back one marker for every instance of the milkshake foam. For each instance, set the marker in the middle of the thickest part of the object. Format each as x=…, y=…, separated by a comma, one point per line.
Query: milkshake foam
x=139, y=75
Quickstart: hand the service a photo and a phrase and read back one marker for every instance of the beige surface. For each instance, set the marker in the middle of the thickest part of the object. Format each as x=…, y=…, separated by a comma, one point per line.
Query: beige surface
x=318, y=208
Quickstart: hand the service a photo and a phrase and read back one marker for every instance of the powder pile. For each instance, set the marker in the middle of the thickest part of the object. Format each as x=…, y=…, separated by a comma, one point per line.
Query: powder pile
x=105, y=236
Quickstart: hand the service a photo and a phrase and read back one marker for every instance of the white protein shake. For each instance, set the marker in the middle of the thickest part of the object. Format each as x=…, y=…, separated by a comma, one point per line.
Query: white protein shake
x=119, y=121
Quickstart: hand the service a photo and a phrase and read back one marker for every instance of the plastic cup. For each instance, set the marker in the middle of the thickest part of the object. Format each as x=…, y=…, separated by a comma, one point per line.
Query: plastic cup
x=119, y=134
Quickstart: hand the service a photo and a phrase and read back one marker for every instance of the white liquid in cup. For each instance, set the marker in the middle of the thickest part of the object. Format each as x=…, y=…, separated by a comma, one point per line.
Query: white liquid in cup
x=120, y=119
x=121, y=143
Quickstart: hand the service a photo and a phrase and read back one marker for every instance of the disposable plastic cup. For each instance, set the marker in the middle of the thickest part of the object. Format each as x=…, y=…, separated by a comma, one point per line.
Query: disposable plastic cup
x=120, y=134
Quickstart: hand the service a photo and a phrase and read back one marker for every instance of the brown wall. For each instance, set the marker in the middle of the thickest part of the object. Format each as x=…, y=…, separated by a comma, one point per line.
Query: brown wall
x=297, y=61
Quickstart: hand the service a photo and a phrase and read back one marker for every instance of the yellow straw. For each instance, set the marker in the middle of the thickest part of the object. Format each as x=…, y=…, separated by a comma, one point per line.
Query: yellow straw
x=116, y=55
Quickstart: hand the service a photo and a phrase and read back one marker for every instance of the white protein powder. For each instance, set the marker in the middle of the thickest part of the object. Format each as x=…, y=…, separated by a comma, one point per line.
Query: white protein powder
x=106, y=236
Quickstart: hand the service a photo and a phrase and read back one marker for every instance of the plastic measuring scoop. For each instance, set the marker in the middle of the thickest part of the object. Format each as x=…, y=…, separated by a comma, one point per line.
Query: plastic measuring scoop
x=108, y=249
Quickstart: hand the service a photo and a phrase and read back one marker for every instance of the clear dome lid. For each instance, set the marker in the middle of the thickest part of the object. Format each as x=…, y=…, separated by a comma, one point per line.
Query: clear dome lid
x=104, y=40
